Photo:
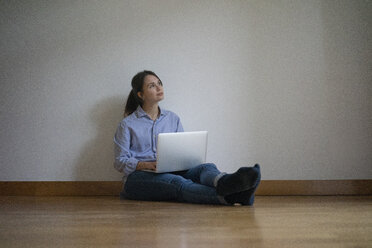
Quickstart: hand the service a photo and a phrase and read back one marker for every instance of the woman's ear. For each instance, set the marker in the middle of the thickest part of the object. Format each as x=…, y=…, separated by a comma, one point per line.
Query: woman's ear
x=139, y=94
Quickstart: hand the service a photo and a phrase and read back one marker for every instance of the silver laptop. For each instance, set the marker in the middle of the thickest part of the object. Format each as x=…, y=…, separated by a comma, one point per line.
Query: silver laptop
x=180, y=151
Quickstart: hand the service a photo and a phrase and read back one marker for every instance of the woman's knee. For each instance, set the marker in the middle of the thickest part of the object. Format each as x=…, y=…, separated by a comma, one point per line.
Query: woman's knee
x=138, y=175
x=150, y=186
x=209, y=165
x=135, y=181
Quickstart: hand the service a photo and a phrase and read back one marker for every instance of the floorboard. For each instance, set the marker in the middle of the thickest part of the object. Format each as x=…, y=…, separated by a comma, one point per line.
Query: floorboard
x=274, y=221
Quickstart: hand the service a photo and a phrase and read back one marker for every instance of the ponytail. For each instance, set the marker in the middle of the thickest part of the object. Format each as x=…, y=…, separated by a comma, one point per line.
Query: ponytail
x=131, y=105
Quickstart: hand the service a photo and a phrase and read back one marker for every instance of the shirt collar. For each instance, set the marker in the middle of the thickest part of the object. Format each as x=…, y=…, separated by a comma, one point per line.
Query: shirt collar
x=141, y=113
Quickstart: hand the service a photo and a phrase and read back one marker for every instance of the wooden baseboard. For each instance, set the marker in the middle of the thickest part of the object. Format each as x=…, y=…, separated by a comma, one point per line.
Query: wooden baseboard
x=61, y=188
x=315, y=187
x=113, y=188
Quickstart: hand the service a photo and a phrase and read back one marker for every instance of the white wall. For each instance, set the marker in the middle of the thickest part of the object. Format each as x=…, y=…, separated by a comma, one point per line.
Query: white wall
x=286, y=84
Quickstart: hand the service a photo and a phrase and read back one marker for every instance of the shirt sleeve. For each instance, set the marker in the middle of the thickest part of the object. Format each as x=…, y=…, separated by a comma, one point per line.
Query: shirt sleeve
x=179, y=126
x=124, y=162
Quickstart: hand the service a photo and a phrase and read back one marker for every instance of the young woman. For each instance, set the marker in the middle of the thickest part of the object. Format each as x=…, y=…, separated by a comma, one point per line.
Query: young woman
x=135, y=151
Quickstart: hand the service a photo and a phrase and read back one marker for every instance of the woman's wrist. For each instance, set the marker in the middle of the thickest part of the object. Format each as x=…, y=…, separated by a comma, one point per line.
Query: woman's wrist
x=139, y=166
x=146, y=166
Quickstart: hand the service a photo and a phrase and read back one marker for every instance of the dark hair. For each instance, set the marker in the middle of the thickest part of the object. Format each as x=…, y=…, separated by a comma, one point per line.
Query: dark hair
x=137, y=86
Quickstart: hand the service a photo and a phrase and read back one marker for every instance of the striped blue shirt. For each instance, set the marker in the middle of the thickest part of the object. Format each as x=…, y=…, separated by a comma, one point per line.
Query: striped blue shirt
x=136, y=137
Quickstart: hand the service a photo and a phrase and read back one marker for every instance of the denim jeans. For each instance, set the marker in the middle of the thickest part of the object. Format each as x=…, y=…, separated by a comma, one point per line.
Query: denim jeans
x=196, y=185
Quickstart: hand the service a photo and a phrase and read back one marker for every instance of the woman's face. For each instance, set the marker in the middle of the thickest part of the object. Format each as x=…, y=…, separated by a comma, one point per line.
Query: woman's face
x=152, y=90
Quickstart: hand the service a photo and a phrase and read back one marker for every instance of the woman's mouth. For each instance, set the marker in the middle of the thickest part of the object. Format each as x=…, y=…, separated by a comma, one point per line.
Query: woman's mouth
x=160, y=94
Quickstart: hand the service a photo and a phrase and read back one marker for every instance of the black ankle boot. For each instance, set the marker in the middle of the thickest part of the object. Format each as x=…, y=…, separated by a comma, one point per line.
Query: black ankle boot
x=244, y=197
x=243, y=179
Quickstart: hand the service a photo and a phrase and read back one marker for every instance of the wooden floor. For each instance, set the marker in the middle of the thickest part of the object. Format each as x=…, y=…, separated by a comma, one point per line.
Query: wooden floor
x=274, y=221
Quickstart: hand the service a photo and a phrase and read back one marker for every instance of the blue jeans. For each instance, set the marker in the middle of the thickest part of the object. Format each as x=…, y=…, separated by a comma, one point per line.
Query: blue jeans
x=196, y=185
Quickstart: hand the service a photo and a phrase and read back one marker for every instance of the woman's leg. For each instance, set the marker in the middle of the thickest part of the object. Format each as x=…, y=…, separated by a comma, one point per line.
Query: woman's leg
x=243, y=179
x=147, y=186
x=238, y=187
x=206, y=174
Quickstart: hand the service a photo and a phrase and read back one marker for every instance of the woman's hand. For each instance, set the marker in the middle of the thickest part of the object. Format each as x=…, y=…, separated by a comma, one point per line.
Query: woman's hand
x=146, y=166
